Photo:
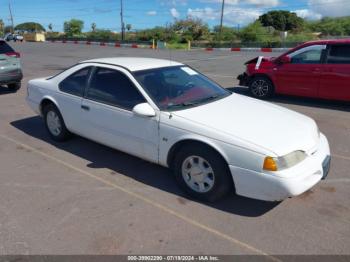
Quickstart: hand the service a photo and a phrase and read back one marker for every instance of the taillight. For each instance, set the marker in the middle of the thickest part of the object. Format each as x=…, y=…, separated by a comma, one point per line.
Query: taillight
x=13, y=54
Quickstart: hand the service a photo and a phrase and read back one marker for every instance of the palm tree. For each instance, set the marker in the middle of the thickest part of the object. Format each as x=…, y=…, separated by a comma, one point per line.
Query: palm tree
x=93, y=27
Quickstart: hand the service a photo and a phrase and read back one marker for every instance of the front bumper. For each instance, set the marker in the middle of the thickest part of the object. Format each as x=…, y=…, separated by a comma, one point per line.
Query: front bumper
x=243, y=79
x=11, y=77
x=286, y=183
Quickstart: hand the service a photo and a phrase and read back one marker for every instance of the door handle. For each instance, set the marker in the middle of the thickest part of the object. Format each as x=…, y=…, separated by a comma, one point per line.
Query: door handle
x=85, y=107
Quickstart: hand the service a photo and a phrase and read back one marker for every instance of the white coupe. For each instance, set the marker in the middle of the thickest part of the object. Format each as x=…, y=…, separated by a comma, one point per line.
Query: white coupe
x=170, y=114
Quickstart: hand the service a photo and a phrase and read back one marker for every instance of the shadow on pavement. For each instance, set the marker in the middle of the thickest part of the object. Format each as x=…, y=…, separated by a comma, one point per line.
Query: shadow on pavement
x=153, y=175
x=300, y=101
x=4, y=90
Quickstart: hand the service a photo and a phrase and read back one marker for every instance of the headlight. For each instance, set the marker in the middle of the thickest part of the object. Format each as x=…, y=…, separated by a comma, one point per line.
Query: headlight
x=283, y=162
x=318, y=132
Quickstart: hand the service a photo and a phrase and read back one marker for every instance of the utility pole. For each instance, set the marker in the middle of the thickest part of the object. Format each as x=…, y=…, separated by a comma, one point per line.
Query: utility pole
x=222, y=18
x=11, y=17
x=122, y=20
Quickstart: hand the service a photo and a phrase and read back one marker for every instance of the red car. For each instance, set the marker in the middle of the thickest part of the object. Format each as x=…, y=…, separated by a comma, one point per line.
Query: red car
x=319, y=69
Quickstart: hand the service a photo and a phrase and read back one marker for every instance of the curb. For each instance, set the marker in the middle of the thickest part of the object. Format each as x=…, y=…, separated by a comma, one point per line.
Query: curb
x=112, y=44
x=208, y=49
x=246, y=49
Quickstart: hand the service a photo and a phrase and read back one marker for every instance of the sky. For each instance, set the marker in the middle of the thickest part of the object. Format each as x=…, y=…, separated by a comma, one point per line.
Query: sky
x=149, y=13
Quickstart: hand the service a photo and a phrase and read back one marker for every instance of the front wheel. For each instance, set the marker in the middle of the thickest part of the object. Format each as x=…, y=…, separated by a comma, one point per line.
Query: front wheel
x=202, y=172
x=261, y=87
x=54, y=123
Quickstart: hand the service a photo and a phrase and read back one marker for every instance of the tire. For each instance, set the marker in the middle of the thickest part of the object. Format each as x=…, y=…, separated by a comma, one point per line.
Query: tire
x=54, y=124
x=14, y=86
x=261, y=87
x=215, y=179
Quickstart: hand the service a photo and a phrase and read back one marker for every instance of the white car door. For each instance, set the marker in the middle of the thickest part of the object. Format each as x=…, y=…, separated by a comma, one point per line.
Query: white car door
x=108, y=118
x=70, y=95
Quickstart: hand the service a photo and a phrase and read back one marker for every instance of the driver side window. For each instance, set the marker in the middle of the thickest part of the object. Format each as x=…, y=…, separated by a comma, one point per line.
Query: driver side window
x=308, y=55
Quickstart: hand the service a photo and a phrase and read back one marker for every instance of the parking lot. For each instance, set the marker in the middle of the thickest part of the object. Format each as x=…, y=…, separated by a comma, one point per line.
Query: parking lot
x=80, y=197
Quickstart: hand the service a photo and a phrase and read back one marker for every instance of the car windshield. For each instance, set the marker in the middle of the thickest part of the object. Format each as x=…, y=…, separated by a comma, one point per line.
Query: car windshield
x=177, y=87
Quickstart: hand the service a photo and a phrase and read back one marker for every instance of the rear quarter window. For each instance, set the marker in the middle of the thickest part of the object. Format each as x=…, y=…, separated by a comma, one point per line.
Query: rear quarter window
x=5, y=48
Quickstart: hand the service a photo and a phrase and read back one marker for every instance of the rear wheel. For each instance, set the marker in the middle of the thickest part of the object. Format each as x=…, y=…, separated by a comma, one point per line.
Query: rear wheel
x=54, y=123
x=202, y=172
x=14, y=86
x=261, y=87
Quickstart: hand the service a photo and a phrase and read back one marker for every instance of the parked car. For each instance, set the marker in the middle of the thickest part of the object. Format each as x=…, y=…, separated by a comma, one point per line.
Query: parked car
x=168, y=113
x=13, y=37
x=10, y=67
x=319, y=69
x=18, y=37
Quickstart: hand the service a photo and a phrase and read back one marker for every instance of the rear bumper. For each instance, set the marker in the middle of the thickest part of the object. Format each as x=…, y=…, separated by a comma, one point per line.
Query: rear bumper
x=11, y=77
x=287, y=183
x=243, y=79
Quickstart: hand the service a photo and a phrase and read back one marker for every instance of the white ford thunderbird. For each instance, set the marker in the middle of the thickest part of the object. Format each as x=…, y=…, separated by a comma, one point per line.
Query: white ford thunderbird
x=168, y=113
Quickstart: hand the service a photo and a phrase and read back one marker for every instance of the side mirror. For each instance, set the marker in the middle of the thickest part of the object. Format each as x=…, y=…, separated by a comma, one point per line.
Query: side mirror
x=285, y=59
x=144, y=109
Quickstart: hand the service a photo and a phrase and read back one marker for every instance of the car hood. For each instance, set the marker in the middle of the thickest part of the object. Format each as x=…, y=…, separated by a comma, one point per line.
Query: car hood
x=263, y=60
x=263, y=124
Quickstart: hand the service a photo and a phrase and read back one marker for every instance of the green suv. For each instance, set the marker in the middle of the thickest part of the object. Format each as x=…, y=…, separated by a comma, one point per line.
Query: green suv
x=10, y=67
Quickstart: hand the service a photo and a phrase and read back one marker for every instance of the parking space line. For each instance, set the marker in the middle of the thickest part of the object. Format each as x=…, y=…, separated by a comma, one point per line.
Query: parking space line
x=209, y=58
x=144, y=199
x=337, y=180
x=340, y=156
x=221, y=76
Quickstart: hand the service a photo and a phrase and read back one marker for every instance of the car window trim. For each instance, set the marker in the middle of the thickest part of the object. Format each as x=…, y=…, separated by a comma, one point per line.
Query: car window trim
x=93, y=71
x=85, y=85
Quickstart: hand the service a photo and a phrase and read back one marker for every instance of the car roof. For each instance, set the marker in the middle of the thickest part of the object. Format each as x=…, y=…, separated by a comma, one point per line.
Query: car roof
x=329, y=41
x=135, y=63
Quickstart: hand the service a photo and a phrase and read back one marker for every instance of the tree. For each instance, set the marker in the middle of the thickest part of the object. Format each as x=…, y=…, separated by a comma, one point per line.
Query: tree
x=30, y=27
x=93, y=27
x=191, y=29
x=128, y=27
x=73, y=27
x=254, y=32
x=282, y=20
x=50, y=27
x=338, y=26
x=227, y=33
x=2, y=27
x=8, y=29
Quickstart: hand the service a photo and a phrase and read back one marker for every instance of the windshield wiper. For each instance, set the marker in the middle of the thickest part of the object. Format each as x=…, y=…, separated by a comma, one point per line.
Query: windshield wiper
x=195, y=102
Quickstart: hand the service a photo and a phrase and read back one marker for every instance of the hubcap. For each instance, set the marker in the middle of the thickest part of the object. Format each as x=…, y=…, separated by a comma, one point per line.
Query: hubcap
x=198, y=174
x=53, y=123
x=260, y=87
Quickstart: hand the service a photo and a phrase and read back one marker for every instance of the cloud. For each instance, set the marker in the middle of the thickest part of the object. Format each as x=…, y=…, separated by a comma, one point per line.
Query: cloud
x=263, y=3
x=174, y=13
x=173, y=2
x=201, y=13
x=308, y=14
x=259, y=3
x=152, y=13
x=330, y=7
x=232, y=15
x=227, y=2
